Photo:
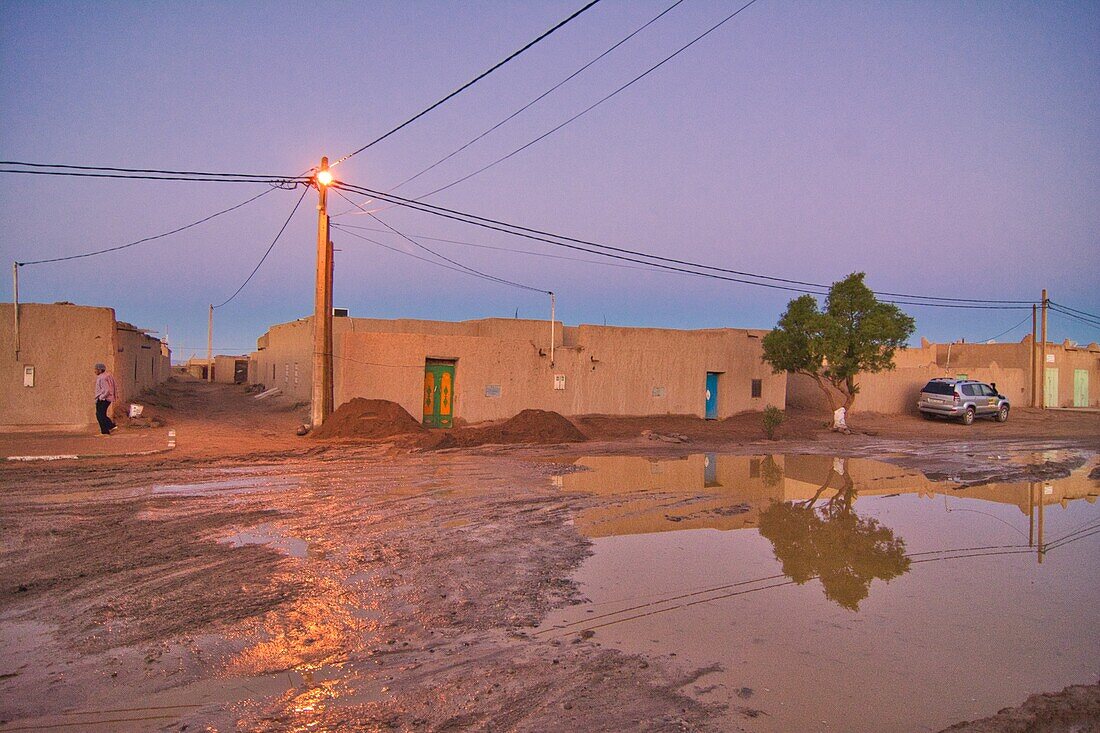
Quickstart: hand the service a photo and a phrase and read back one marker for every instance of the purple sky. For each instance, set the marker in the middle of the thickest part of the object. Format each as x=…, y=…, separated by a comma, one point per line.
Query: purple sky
x=944, y=148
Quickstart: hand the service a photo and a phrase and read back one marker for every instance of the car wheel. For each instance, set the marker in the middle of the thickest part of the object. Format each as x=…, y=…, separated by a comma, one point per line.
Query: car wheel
x=968, y=416
x=1002, y=414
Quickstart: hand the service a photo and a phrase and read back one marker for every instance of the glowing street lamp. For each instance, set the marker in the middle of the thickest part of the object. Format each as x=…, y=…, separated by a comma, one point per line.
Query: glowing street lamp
x=324, y=177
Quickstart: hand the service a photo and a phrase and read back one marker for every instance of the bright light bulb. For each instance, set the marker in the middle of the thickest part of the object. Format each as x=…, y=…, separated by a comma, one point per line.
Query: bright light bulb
x=324, y=177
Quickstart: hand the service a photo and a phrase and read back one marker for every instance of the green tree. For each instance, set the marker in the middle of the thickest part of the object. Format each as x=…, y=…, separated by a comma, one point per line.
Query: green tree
x=854, y=334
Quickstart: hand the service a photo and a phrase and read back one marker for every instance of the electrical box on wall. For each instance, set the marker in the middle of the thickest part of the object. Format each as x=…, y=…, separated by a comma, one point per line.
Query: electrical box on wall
x=559, y=381
x=28, y=375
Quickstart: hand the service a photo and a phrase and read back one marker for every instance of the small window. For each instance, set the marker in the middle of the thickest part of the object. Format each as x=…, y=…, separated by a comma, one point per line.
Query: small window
x=757, y=387
x=969, y=390
x=943, y=388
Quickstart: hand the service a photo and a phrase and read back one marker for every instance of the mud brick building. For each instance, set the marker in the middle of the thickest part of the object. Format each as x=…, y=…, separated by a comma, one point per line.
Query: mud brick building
x=491, y=369
x=1069, y=377
x=47, y=384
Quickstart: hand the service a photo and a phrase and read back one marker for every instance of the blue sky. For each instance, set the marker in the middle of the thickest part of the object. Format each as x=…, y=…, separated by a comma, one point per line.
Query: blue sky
x=944, y=148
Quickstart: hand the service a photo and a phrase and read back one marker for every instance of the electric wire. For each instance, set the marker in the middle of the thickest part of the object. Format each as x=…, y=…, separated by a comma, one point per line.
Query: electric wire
x=424, y=247
x=533, y=253
x=272, y=180
x=470, y=83
x=632, y=256
x=591, y=107
x=269, y=248
x=540, y=97
x=1067, y=314
x=1079, y=312
x=145, y=239
x=1007, y=330
x=115, y=169
x=458, y=269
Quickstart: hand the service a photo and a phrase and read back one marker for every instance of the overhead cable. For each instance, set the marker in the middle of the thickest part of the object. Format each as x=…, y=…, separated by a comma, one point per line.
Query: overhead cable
x=269, y=248
x=273, y=180
x=540, y=97
x=146, y=239
x=620, y=253
x=1007, y=330
x=1075, y=310
x=468, y=84
x=593, y=106
x=114, y=169
x=469, y=270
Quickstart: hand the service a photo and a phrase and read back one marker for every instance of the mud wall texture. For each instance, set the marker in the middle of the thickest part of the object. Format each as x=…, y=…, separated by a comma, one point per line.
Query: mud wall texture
x=503, y=366
x=62, y=342
x=225, y=368
x=896, y=392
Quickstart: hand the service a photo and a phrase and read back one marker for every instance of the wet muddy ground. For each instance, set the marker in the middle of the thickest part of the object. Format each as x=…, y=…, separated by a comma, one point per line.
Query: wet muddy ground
x=365, y=588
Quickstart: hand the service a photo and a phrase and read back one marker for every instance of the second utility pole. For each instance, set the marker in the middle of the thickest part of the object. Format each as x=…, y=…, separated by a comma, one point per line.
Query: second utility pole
x=321, y=395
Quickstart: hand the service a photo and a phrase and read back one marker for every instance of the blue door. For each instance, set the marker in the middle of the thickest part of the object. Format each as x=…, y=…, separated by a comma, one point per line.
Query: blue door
x=712, y=395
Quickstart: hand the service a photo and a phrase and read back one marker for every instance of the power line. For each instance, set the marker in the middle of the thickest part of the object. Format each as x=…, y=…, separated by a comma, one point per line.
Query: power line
x=546, y=255
x=540, y=97
x=1079, y=312
x=140, y=170
x=146, y=239
x=1007, y=330
x=468, y=84
x=632, y=255
x=269, y=248
x=468, y=270
x=591, y=107
x=1067, y=314
x=273, y=180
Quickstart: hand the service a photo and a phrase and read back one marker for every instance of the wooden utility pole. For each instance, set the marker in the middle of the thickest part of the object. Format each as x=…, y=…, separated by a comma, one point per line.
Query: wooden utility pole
x=15, y=304
x=1034, y=352
x=321, y=402
x=1043, y=360
x=210, y=345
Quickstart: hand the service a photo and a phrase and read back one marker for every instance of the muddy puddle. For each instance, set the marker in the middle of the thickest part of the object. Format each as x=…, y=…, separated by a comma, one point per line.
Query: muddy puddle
x=840, y=594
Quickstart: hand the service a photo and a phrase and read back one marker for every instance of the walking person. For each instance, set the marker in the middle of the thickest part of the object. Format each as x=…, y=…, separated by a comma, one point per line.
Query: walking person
x=106, y=392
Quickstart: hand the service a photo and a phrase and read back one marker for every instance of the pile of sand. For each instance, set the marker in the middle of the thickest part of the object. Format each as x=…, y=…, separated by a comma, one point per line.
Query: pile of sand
x=530, y=426
x=363, y=418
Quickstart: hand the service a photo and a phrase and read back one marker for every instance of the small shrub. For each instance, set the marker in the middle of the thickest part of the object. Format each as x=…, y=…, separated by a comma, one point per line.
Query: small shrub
x=773, y=418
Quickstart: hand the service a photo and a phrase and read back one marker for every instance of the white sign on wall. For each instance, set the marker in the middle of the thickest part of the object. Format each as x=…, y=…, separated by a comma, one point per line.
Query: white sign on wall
x=1050, y=358
x=28, y=375
x=559, y=381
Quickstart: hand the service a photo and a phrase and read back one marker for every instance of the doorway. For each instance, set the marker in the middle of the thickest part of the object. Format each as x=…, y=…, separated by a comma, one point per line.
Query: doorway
x=1050, y=387
x=712, y=396
x=1080, y=387
x=439, y=391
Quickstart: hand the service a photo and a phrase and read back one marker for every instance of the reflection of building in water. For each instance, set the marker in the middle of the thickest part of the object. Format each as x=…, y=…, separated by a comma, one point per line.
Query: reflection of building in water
x=729, y=492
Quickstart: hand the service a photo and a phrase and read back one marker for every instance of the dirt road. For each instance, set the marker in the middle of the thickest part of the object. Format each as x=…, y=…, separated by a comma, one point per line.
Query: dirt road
x=252, y=579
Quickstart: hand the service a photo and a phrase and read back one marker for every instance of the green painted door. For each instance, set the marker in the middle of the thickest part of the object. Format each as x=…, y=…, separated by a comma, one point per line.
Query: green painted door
x=1080, y=387
x=439, y=394
x=1050, y=387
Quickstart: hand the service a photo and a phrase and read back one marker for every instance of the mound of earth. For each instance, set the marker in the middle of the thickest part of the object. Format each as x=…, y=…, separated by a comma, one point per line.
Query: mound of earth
x=363, y=418
x=530, y=426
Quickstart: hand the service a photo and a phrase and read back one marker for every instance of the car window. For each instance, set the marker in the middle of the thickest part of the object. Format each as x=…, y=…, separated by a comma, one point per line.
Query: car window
x=968, y=390
x=944, y=388
x=987, y=391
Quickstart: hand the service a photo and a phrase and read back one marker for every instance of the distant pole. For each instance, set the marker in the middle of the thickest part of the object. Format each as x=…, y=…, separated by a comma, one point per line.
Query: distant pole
x=553, y=303
x=1034, y=348
x=210, y=345
x=1042, y=495
x=15, y=303
x=321, y=393
x=1043, y=361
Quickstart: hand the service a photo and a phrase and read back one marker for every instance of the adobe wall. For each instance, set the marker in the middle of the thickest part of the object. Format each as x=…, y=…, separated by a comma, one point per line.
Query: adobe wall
x=139, y=363
x=225, y=367
x=62, y=343
x=613, y=371
x=896, y=392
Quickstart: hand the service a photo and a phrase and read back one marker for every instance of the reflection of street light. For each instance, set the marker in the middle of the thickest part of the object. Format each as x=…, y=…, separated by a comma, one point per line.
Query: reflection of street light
x=324, y=177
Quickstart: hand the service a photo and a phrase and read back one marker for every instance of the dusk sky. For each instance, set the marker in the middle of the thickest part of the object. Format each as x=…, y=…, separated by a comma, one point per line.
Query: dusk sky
x=948, y=149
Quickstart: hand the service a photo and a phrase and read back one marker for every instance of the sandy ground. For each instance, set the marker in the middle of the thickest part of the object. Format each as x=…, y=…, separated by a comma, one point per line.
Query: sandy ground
x=252, y=579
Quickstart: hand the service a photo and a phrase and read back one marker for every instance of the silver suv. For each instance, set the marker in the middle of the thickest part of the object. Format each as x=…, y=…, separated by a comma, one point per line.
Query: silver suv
x=964, y=399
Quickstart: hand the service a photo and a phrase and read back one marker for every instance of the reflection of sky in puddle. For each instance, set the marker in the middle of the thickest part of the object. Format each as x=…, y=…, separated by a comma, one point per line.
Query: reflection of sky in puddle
x=859, y=595
x=269, y=535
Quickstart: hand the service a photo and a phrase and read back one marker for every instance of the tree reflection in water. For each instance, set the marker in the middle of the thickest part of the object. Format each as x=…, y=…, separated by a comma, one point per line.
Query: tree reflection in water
x=833, y=543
